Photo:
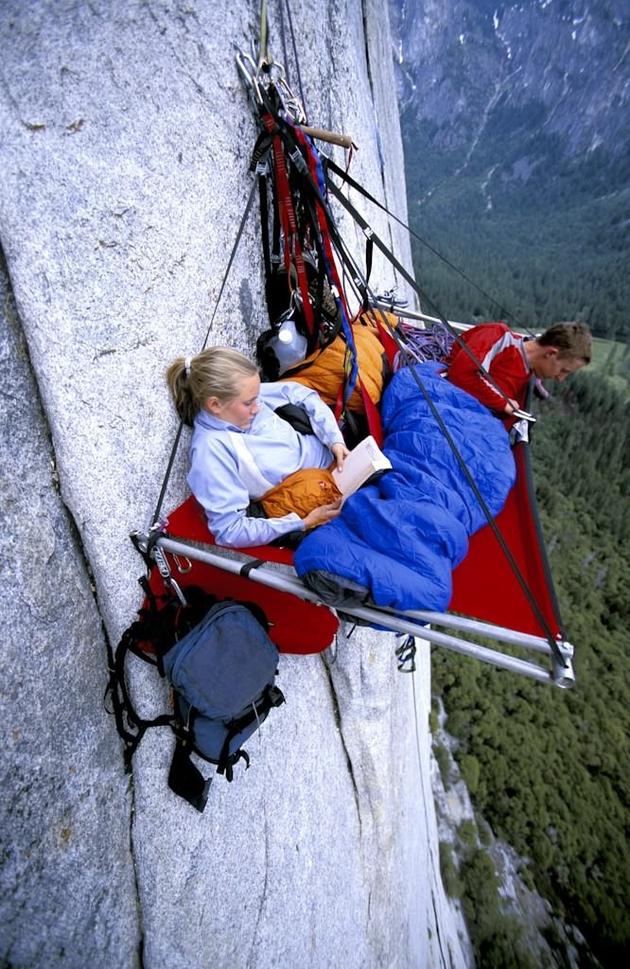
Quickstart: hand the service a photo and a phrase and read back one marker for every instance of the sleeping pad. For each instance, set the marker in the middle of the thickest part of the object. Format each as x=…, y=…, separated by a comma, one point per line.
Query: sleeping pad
x=399, y=537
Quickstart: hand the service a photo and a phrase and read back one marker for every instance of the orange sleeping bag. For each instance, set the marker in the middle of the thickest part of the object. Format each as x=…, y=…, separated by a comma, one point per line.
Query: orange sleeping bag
x=323, y=371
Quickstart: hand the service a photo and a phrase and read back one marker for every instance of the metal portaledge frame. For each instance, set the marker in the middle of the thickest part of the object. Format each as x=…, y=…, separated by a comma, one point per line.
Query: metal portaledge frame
x=511, y=636
x=406, y=314
x=412, y=623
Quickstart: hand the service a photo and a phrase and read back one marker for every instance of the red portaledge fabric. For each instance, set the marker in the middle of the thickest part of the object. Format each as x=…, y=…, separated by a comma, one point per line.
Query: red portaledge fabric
x=296, y=626
x=484, y=585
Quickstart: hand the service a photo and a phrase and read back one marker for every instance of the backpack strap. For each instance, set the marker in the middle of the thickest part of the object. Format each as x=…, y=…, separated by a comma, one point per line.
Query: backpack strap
x=150, y=627
x=271, y=697
x=129, y=724
x=184, y=779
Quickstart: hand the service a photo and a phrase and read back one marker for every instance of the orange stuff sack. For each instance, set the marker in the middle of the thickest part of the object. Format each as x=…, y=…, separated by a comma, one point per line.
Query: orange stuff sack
x=301, y=492
x=323, y=371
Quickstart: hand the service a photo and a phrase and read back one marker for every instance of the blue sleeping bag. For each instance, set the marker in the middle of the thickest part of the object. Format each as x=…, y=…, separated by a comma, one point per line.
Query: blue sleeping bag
x=401, y=536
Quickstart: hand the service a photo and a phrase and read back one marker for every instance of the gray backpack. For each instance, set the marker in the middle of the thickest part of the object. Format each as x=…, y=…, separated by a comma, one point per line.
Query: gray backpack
x=222, y=671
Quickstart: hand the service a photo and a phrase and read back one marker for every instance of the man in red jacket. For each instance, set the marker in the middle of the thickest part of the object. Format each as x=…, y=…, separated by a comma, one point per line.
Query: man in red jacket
x=510, y=360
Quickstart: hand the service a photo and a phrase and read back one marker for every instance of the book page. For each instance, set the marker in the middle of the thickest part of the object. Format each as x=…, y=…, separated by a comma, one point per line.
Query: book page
x=362, y=462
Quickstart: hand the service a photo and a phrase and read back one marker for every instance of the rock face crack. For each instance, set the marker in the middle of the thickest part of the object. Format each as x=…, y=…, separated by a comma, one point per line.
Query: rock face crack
x=371, y=83
x=57, y=558
x=373, y=99
x=263, y=899
x=136, y=880
x=338, y=721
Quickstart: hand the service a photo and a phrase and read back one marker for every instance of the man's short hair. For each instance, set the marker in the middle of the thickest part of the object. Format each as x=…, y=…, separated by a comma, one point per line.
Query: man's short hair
x=571, y=340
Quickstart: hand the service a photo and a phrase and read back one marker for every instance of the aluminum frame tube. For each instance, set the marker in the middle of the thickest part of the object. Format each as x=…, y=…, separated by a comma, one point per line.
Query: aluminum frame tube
x=500, y=633
x=562, y=677
x=422, y=317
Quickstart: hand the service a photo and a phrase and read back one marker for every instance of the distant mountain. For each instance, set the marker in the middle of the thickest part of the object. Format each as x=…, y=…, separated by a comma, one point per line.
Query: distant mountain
x=516, y=118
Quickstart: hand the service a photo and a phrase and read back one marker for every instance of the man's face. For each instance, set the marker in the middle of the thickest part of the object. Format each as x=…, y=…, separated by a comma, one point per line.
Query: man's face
x=554, y=366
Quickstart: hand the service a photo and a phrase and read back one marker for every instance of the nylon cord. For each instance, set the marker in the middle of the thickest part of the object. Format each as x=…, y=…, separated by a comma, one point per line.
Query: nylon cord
x=293, y=44
x=356, y=215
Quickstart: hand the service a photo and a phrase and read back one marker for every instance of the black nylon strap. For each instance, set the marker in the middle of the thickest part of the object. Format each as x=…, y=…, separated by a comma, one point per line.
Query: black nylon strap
x=330, y=164
x=369, y=252
x=293, y=44
x=264, y=223
x=249, y=566
x=409, y=279
x=125, y=714
x=186, y=780
x=270, y=697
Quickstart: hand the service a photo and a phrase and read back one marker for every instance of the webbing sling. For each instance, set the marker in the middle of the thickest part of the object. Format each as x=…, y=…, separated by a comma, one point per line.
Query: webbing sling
x=292, y=245
x=314, y=179
x=313, y=176
x=284, y=131
x=352, y=374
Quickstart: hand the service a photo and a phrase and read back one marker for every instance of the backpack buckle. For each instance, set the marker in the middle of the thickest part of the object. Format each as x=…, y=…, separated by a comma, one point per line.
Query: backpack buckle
x=275, y=696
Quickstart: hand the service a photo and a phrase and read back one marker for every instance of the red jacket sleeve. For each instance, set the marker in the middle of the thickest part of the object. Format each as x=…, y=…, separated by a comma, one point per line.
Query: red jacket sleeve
x=500, y=353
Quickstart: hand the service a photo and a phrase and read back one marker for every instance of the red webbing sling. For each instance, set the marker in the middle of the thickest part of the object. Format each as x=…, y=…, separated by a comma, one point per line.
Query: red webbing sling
x=292, y=246
x=371, y=412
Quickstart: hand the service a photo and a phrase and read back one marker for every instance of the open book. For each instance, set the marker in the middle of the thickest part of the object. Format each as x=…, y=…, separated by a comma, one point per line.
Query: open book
x=362, y=463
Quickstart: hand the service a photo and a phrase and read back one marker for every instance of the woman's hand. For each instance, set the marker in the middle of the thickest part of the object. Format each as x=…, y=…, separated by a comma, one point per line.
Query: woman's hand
x=340, y=453
x=322, y=514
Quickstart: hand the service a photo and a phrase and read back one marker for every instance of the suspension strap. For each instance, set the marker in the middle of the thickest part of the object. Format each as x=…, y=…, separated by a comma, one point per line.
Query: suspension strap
x=292, y=246
x=264, y=224
x=297, y=146
x=367, y=229
x=343, y=174
x=351, y=366
x=287, y=5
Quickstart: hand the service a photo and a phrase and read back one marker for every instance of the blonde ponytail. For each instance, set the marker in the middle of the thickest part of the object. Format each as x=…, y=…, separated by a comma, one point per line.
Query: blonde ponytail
x=214, y=372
